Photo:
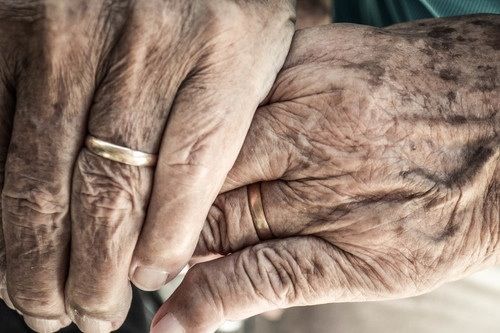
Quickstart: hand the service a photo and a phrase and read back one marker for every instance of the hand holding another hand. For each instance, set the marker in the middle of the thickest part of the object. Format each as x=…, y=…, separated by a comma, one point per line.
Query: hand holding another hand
x=378, y=157
x=375, y=155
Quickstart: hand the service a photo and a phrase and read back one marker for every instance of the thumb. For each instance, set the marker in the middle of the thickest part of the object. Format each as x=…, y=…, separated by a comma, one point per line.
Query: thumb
x=271, y=275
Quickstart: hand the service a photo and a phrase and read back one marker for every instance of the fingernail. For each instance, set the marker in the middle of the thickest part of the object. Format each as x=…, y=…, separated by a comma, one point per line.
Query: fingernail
x=41, y=325
x=168, y=324
x=92, y=325
x=149, y=279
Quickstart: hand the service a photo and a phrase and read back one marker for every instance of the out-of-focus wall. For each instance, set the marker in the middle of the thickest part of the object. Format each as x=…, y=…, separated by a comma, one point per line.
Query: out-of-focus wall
x=311, y=13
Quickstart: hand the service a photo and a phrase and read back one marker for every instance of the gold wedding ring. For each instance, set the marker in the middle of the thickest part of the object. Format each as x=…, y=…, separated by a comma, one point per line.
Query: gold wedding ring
x=118, y=153
x=257, y=211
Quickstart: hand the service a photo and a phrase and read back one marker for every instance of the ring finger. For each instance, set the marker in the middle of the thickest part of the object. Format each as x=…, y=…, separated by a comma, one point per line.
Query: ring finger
x=110, y=196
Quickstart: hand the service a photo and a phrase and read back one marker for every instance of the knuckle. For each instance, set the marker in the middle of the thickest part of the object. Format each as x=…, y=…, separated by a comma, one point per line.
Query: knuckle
x=196, y=151
x=31, y=204
x=99, y=185
x=212, y=238
x=275, y=274
x=34, y=232
x=107, y=192
x=186, y=171
x=228, y=226
x=192, y=159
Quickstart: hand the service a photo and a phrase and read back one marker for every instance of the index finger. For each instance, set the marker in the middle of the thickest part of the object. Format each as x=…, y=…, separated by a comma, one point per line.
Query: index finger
x=206, y=129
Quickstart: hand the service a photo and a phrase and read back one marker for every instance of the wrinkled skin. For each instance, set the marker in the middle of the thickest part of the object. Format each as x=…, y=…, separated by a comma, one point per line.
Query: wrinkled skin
x=178, y=78
x=378, y=152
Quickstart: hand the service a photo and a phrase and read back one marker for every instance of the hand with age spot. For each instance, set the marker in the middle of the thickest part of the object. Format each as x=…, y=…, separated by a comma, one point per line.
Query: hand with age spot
x=378, y=156
x=178, y=78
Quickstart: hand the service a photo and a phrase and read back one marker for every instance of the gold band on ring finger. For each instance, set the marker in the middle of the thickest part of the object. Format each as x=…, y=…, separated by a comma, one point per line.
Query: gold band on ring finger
x=119, y=154
x=257, y=211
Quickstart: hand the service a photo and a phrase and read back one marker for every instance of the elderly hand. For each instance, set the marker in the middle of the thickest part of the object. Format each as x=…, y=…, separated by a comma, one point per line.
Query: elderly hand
x=378, y=153
x=183, y=75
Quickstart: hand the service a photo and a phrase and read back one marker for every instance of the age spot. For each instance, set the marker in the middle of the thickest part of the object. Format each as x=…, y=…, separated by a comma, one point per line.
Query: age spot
x=482, y=23
x=440, y=32
x=452, y=96
x=486, y=78
x=449, y=231
x=449, y=74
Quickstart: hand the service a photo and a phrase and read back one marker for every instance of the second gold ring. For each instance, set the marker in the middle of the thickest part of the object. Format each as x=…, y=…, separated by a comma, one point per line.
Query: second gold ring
x=257, y=211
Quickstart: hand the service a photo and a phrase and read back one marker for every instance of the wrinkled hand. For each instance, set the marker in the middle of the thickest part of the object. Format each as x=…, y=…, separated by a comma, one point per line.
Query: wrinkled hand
x=183, y=75
x=379, y=155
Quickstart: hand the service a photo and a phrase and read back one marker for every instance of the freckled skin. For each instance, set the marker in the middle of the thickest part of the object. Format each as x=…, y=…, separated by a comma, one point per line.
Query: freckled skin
x=376, y=185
